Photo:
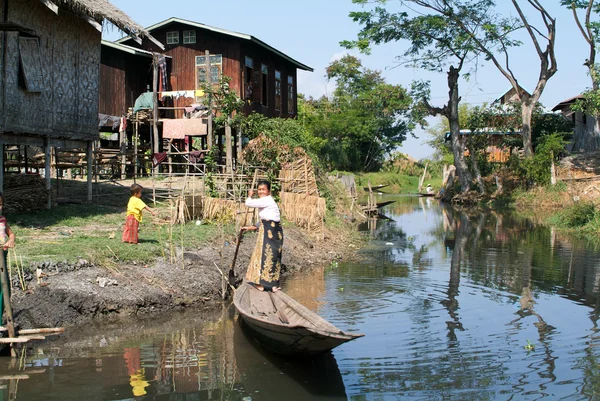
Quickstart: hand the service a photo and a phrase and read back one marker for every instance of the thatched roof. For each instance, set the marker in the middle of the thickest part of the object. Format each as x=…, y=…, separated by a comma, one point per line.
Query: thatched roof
x=100, y=10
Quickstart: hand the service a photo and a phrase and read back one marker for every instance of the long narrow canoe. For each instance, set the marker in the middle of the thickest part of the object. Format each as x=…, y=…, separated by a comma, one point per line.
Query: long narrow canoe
x=284, y=326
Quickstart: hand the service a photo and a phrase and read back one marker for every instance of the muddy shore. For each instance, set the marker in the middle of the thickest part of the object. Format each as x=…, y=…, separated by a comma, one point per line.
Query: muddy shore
x=69, y=295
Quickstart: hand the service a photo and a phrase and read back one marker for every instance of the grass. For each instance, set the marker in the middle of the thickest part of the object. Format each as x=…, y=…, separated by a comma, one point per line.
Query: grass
x=93, y=233
x=398, y=183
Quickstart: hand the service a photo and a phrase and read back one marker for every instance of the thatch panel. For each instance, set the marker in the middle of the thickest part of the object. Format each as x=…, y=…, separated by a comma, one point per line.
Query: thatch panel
x=70, y=55
x=305, y=211
x=65, y=75
x=222, y=210
x=88, y=79
x=27, y=111
x=299, y=177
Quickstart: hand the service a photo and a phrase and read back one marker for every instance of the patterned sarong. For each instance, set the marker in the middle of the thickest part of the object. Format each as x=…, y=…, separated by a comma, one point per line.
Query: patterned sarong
x=130, y=231
x=265, y=263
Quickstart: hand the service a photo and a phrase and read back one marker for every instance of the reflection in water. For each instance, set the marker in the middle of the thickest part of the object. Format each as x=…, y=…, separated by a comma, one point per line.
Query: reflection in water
x=208, y=361
x=268, y=376
x=455, y=305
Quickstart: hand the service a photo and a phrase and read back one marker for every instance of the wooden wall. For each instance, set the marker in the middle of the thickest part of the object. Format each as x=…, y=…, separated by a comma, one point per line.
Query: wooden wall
x=260, y=56
x=70, y=57
x=234, y=50
x=123, y=77
x=2, y=119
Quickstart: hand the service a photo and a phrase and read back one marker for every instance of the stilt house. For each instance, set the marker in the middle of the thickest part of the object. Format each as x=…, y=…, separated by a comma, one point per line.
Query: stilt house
x=264, y=77
x=49, y=78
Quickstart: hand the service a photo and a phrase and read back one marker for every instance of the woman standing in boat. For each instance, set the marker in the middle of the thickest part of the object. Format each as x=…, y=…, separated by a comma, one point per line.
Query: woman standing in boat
x=265, y=263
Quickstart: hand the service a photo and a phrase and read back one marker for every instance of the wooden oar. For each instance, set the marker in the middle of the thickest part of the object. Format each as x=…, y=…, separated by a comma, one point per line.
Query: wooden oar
x=240, y=235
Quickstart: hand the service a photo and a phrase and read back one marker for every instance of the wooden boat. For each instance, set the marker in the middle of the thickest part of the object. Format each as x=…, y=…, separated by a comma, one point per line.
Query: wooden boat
x=284, y=326
x=378, y=205
x=426, y=194
x=376, y=187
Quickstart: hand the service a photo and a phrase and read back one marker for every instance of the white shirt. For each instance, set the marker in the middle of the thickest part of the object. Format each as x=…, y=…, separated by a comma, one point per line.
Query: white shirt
x=267, y=208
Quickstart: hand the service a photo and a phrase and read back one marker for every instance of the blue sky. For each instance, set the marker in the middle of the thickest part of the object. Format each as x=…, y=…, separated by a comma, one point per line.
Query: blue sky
x=310, y=32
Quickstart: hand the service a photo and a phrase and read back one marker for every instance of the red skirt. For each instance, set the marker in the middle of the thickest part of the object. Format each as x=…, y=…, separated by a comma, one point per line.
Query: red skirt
x=130, y=231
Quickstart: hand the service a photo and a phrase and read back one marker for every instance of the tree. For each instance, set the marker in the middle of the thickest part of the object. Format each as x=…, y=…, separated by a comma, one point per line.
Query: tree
x=364, y=119
x=496, y=37
x=437, y=43
x=438, y=132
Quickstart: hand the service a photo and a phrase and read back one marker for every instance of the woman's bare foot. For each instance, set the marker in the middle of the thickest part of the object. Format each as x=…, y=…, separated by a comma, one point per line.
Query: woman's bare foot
x=257, y=286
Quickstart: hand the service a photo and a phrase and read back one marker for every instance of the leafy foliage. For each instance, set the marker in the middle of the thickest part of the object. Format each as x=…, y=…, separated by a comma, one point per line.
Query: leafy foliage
x=363, y=120
x=536, y=170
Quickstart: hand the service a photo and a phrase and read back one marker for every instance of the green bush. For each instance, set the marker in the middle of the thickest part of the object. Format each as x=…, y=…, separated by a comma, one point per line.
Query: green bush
x=578, y=215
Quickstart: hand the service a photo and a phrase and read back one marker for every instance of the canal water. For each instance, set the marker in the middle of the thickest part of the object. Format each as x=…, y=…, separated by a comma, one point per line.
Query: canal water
x=454, y=305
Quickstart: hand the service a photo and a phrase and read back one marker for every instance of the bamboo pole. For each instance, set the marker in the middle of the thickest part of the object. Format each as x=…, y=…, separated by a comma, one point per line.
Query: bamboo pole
x=240, y=235
x=156, y=147
x=7, y=305
x=209, y=83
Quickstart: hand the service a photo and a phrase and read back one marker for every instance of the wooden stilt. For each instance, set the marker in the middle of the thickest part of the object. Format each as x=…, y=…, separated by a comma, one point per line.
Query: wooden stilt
x=7, y=305
x=90, y=171
x=209, y=136
x=47, y=172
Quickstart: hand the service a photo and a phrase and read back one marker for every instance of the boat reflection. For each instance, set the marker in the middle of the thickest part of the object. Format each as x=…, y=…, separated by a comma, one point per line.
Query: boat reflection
x=268, y=376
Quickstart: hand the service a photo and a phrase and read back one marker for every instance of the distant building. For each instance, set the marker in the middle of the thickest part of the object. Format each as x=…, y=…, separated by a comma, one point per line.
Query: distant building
x=586, y=136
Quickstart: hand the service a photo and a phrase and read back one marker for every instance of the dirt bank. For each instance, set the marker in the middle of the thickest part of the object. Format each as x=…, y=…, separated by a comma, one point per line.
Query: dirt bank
x=73, y=294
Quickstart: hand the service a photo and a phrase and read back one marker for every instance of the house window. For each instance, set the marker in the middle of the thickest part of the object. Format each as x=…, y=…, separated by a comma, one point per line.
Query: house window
x=277, y=90
x=189, y=37
x=216, y=71
x=290, y=94
x=172, y=37
x=264, y=87
x=31, y=64
x=248, y=74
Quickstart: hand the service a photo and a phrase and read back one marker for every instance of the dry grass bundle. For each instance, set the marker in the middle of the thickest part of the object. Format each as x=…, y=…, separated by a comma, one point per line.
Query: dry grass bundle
x=299, y=177
x=305, y=211
x=264, y=151
x=182, y=211
x=24, y=193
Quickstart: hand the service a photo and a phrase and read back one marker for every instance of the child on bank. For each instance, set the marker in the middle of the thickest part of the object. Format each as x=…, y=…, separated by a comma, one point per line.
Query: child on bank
x=7, y=238
x=133, y=218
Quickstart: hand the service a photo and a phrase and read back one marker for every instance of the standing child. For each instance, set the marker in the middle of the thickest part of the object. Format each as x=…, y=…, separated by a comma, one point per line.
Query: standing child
x=133, y=218
x=7, y=237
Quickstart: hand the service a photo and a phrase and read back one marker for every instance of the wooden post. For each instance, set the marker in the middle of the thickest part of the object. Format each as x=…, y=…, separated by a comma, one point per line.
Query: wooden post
x=228, y=147
x=422, y=178
x=135, y=149
x=53, y=163
x=7, y=305
x=47, y=172
x=306, y=175
x=170, y=158
x=123, y=150
x=155, y=110
x=26, y=160
x=90, y=170
x=209, y=83
x=1, y=164
x=239, y=145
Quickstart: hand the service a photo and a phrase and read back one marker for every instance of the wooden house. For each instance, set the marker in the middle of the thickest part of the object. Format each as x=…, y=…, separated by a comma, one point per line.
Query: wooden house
x=263, y=76
x=496, y=150
x=586, y=134
x=49, y=74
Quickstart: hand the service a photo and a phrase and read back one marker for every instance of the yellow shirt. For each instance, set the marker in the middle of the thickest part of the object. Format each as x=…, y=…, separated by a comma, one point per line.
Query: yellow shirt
x=135, y=207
